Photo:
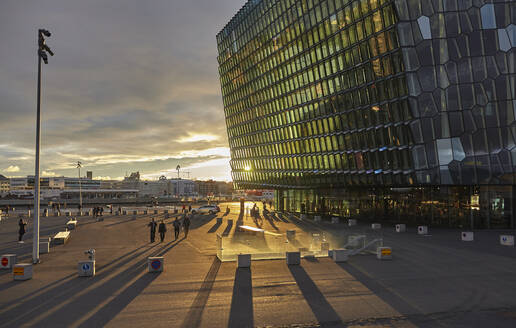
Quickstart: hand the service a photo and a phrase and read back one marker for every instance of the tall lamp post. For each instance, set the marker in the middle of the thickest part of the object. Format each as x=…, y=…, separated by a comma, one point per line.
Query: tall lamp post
x=43, y=49
x=79, y=164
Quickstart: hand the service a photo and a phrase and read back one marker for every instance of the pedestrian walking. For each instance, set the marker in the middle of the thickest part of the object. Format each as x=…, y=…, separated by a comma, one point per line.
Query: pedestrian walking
x=162, y=230
x=184, y=208
x=21, y=232
x=177, y=227
x=186, y=225
x=101, y=210
x=189, y=208
x=152, y=226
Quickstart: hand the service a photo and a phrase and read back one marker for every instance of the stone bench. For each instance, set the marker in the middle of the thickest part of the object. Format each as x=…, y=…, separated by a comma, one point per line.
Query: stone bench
x=71, y=225
x=61, y=238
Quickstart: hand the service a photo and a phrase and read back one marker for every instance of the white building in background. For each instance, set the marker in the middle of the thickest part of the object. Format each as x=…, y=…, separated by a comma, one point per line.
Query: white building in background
x=5, y=185
x=182, y=187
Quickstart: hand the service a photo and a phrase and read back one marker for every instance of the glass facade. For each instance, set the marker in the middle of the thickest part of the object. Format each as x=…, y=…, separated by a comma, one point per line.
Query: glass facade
x=375, y=107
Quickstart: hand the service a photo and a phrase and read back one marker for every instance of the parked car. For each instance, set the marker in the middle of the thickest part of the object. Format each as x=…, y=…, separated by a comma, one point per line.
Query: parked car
x=210, y=209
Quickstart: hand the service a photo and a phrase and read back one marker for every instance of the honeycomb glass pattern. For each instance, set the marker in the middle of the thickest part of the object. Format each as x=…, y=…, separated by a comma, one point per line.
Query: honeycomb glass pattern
x=316, y=94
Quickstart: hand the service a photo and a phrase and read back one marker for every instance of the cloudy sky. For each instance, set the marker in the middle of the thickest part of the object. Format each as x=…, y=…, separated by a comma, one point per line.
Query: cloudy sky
x=133, y=86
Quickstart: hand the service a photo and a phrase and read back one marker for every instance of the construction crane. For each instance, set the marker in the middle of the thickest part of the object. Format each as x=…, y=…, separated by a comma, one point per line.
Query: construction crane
x=178, y=167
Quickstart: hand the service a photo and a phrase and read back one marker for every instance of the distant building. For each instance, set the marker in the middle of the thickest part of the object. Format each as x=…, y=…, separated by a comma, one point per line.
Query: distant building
x=5, y=184
x=213, y=188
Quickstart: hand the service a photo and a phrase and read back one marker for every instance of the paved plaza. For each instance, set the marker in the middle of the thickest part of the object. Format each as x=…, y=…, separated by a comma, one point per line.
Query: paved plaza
x=432, y=281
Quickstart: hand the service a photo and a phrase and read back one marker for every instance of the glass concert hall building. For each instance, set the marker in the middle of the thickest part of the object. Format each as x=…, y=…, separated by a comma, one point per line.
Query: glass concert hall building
x=393, y=110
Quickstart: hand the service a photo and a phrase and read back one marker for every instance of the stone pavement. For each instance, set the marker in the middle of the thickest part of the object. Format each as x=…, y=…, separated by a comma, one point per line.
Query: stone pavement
x=433, y=281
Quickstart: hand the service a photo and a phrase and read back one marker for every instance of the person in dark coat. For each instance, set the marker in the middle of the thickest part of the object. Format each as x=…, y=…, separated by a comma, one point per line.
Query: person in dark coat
x=177, y=227
x=189, y=208
x=21, y=232
x=186, y=225
x=162, y=229
x=152, y=226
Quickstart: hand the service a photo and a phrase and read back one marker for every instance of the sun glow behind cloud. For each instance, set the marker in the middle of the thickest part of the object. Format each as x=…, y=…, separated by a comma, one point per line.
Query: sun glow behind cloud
x=199, y=137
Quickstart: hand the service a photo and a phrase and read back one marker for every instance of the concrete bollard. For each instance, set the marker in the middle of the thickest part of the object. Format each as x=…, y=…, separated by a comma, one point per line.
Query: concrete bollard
x=155, y=264
x=467, y=236
x=44, y=247
x=7, y=261
x=291, y=235
x=244, y=261
x=376, y=226
x=422, y=230
x=293, y=258
x=384, y=253
x=317, y=218
x=155, y=211
x=401, y=227
x=507, y=240
x=86, y=268
x=335, y=220
x=29, y=213
x=340, y=255
x=22, y=271
x=352, y=222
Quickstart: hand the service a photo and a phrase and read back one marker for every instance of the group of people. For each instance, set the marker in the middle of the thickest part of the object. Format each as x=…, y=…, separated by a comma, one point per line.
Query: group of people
x=162, y=228
x=97, y=211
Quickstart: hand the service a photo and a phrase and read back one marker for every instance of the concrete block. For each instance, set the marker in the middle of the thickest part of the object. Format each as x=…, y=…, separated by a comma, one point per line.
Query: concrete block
x=335, y=220
x=291, y=234
x=352, y=222
x=44, y=247
x=22, y=271
x=71, y=225
x=340, y=255
x=422, y=230
x=376, y=226
x=293, y=258
x=507, y=240
x=7, y=261
x=401, y=227
x=317, y=218
x=155, y=264
x=384, y=253
x=86, y=268
x=61, y=238
x=244, y=260
x=467, y=236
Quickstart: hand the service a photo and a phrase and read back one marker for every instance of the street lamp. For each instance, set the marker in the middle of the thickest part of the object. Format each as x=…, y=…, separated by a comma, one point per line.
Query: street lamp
x=43, y=49
x=79, y=164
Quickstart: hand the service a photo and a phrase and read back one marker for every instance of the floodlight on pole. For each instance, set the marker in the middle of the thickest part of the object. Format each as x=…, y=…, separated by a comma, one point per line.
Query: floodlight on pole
x=42, y=51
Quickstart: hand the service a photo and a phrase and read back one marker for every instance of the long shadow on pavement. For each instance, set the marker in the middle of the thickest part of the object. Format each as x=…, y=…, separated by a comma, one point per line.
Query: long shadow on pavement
x=193, y=317
x=76, y=309
x=215, y=227
x=323, y=311
x=116, y=305
x=61, y=293
x=397, y=302
x=228, y=228
x=241, y=313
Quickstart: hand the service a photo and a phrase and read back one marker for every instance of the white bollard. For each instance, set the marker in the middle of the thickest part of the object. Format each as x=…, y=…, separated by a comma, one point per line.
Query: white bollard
x=7, y=261
x=422, y=230
x=293, y=258
x=352, y=222
x=340, y=255
x=244, y=260
x=384, y=253
x=317, y=218
x=86, y=268
x=401, y=227
x=44, y=247
x=507, y=240
x=155, y=264
x=376, y=226
x=467, y=236
x=335, y=220
x=22, y=271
